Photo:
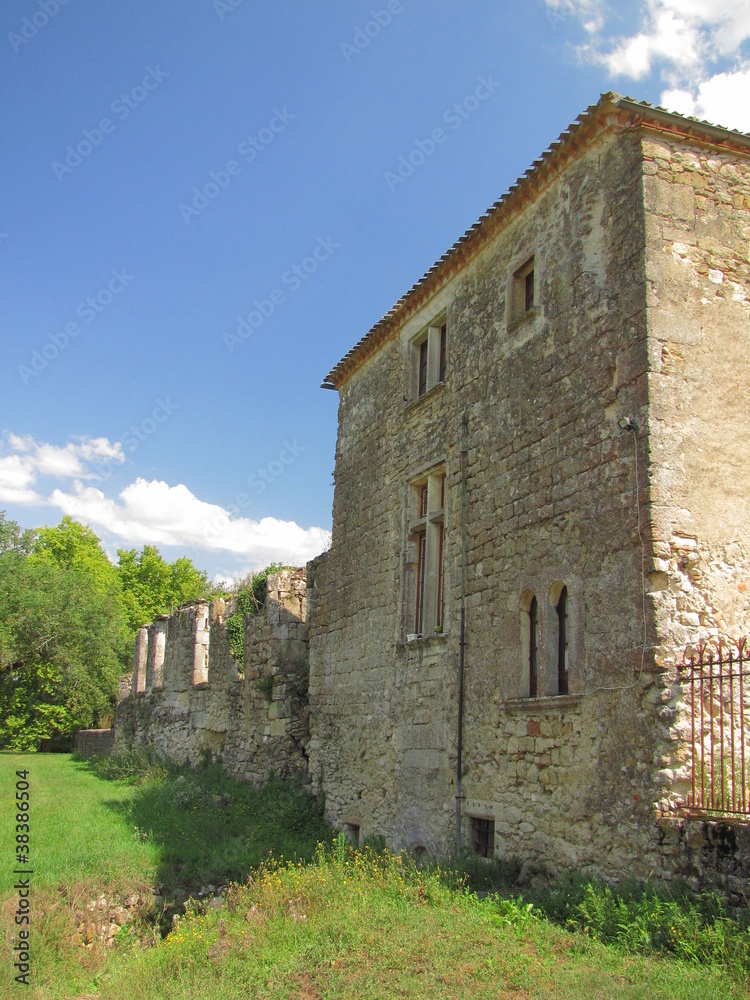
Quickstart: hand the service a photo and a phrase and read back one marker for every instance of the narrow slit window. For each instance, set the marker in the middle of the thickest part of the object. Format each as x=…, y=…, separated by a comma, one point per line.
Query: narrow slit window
x=562, y=642
x=422, y=368
x=529, y=291
x=421, y=573
x=533, y=648
x=439, y=620
x=441, y=374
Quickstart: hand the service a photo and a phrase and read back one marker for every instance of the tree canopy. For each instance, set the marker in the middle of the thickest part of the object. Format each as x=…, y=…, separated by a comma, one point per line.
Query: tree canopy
x=68, y=625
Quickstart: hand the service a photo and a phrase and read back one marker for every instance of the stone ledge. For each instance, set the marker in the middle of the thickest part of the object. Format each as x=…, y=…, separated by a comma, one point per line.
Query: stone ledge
x=422, y=640
x=551, y=705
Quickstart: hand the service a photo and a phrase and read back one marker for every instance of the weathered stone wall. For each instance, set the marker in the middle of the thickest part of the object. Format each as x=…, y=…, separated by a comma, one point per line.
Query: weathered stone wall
x=641, y=293
x=94, y=742
x=194, y=701
x=551, y=499
x=698, y=271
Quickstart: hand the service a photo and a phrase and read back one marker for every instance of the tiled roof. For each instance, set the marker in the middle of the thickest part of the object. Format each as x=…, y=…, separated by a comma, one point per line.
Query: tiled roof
x=611, y=109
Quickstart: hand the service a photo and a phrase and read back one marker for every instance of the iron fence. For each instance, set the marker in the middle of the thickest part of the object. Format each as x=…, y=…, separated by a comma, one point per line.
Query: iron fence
x=718, y=676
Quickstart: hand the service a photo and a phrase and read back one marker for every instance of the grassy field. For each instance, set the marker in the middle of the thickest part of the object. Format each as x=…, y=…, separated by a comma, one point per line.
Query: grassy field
x=328, y=922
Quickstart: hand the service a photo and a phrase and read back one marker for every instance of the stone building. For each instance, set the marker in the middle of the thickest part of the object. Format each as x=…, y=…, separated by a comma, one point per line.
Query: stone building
x=541, y=500
x=543, y=451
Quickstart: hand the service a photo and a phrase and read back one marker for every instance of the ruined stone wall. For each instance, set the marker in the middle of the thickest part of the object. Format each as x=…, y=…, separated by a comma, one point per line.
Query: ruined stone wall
x=192, y=701
x=551, y=500
x=94, y=742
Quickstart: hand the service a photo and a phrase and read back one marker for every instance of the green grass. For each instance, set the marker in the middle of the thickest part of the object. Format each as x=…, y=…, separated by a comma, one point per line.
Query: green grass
x=331, y=923
x=73, y=835
x=363, y=925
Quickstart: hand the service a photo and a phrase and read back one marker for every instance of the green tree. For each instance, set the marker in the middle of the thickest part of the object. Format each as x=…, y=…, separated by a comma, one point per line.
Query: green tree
x=13, y=538
x=72, y=545
x=151, y=586
x=63, y=639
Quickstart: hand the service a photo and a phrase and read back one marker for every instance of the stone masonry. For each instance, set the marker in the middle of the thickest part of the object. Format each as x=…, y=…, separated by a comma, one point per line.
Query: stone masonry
x=546, y=438
x=188, y=699
x=603, y=404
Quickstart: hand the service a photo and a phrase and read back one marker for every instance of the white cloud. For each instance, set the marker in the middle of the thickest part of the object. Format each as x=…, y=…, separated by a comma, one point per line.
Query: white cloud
x=67, y=462
x=695, y=46
x=145, y=513
x=15, y=479
x=722, y=98
x=154, y=513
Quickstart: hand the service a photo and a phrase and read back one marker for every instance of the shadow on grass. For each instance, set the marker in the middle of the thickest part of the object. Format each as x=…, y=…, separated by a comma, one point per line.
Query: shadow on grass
x=210, y=828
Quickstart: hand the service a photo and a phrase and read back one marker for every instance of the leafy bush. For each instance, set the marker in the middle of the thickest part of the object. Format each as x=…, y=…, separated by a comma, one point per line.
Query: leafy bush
x=250, y=597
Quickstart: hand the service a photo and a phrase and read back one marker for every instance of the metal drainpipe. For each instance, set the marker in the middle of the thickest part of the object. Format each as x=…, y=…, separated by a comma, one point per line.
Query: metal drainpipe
x=462, y=642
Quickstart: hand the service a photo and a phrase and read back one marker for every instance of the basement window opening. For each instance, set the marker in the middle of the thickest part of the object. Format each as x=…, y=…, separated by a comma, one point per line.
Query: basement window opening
x=351, y=832
x=483, y=836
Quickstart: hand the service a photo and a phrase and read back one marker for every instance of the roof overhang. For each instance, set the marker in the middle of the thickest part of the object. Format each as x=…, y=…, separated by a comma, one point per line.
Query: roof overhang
x=611, y=111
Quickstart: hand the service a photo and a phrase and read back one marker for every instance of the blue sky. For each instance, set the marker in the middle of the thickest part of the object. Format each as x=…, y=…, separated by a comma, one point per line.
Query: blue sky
x=200, y=213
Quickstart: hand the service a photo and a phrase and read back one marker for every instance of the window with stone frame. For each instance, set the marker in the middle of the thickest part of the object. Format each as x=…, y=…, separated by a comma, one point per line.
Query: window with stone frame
x=427, y=535
x=522, y=292
x=428, y=358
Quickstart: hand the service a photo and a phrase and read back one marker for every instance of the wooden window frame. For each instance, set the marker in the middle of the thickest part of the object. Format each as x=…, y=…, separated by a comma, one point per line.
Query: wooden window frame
x=427, y=534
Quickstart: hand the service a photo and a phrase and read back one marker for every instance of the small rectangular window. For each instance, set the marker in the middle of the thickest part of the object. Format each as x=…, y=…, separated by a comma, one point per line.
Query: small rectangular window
x=427, y=359
x=522, y=292
x=483, y=836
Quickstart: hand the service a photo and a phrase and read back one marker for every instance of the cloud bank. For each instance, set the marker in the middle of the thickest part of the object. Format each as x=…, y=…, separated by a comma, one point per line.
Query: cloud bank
x=145, y=512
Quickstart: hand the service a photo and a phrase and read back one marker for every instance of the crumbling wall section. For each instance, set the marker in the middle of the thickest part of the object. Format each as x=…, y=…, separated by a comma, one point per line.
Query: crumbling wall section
x=698, y=304
x=189, y=699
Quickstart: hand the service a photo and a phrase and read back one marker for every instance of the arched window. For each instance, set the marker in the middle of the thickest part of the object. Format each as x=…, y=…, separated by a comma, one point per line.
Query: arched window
x=562, y=642
x=533, y=647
